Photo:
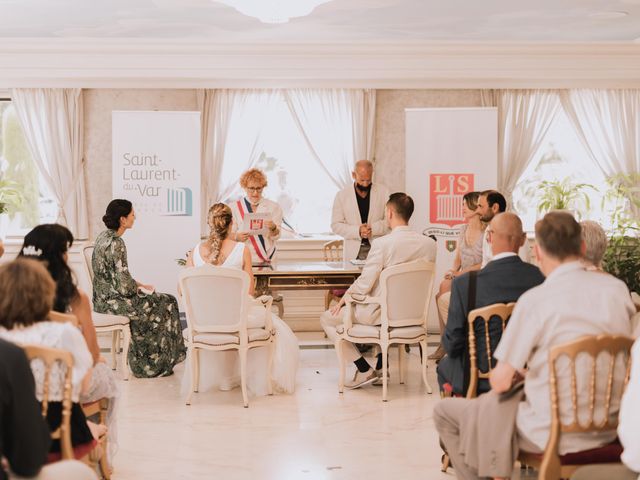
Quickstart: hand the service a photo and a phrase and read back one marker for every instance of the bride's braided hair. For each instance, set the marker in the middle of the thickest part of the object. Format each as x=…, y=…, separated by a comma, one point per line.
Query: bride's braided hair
x=219, y=220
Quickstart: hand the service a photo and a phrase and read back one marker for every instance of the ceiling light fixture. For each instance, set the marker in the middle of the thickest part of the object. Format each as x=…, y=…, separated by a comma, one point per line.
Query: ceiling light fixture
x=608, y=15
x=274, y=11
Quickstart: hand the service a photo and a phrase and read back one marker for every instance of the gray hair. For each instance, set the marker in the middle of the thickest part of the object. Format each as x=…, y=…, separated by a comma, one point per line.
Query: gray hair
x=596, y=241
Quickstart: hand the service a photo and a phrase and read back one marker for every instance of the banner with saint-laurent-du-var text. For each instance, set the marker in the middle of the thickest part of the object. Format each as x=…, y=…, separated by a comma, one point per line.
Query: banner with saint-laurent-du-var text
x=156, y=165
x=449, y=152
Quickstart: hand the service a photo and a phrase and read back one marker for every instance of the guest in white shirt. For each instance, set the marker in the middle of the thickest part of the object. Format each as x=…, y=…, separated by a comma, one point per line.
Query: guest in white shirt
x=571, y=303
x=402, y=245
x=263, y=246
x=358, y=212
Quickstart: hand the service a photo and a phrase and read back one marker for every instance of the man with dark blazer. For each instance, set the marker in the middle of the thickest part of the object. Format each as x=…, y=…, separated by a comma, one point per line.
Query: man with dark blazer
x=503, y=280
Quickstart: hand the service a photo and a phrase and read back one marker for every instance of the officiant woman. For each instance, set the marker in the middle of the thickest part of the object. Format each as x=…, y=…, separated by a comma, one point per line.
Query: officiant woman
x=262, y=247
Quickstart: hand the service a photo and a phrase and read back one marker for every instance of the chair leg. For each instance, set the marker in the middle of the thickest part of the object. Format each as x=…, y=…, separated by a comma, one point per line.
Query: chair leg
x=196, y=355
x=423, y=344
x=327, y=300
x=401, y=362
x=193, y=375
x=385, y=367
x=243, y=375
x=126, y=331
x=115, y=337
x=446, y=463
x=341, y=365
x=270, y=366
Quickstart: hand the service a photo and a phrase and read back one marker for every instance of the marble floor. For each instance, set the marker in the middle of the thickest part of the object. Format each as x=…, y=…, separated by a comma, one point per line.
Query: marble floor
x=314, y=434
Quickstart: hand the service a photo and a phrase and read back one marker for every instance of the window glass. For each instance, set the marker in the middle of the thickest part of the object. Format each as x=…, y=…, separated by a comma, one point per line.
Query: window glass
x=17, y=166
x=295, y=179
x=562, y=157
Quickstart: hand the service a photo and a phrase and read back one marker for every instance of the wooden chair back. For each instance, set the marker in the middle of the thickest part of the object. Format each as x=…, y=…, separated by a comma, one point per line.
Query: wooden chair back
x=503, y=312
x=333, y=251
x=593, y=346
x=63, y=318
x=87, y=253
x=49, y=357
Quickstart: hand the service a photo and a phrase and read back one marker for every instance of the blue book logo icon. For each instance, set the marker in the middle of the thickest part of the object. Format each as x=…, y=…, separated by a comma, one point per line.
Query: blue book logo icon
x=179, y=202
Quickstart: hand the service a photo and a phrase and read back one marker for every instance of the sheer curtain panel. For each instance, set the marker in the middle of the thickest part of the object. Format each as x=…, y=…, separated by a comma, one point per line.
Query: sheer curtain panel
x=608, y=125
x=337, y=125
x=524, y=117
x=52, y=120
x=229, y=115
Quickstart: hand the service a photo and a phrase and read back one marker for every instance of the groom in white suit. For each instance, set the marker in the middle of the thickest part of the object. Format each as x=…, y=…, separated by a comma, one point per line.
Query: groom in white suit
x=358, y=212
x=400, y=246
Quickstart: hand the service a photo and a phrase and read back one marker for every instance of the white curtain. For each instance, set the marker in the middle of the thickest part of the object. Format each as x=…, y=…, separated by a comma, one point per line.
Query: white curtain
x=229, y=115
x=608, y=124
x=53, y=126
x=337, y=125
x=524, y=117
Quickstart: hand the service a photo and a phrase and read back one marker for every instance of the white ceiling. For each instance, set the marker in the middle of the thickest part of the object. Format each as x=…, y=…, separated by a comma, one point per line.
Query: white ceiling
x=339, y=21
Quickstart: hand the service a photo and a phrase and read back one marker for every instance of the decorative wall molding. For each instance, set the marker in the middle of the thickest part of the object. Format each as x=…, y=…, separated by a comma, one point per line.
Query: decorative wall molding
x=188, y=64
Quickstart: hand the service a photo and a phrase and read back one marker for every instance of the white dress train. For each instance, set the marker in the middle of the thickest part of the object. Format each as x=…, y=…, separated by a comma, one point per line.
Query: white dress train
x=222, y=369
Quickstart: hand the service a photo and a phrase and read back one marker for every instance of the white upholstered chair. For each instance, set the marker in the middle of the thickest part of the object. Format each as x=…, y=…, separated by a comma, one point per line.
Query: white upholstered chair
x=117, y=325
x=217, y=305
x=404, y=305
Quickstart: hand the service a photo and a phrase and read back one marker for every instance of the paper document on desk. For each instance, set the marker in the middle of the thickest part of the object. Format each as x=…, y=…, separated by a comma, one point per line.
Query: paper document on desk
x=254, y=223
x=358, y=262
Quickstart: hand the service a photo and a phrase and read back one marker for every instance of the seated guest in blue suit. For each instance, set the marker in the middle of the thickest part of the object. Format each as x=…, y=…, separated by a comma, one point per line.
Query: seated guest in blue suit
x=503, y=280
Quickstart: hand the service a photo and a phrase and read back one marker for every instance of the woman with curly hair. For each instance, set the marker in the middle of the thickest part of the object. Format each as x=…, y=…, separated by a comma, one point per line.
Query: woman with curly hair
x=262, y=247
x=221, y=368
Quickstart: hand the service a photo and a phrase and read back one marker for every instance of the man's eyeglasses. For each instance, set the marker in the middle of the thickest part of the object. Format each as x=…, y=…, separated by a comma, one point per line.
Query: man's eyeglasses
x=255, y=189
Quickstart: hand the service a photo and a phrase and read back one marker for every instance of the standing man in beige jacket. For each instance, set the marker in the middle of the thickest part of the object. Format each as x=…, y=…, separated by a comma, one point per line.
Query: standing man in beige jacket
x=358, y=212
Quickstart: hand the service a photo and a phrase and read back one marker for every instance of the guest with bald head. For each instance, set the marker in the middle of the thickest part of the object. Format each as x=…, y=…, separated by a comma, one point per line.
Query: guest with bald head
x=503, y=280
x=358, y=212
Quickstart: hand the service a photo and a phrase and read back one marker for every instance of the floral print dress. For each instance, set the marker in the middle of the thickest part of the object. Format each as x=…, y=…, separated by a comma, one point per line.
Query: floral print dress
x=156, y=334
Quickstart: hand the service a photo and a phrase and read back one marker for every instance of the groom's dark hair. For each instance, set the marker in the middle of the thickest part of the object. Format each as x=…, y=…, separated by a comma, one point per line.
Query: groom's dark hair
x=402, y=204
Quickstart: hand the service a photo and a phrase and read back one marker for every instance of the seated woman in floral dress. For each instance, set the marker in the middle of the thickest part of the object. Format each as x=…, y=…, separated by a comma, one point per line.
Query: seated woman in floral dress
x=156, y=335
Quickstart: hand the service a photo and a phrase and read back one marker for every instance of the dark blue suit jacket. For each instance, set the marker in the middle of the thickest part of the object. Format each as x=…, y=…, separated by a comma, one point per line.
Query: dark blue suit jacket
x=500, y=281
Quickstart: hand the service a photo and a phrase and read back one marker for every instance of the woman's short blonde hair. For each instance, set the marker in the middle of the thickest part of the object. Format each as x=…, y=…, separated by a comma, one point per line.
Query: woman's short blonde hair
x=595, y=240
x=253, y=175
x=26, y=293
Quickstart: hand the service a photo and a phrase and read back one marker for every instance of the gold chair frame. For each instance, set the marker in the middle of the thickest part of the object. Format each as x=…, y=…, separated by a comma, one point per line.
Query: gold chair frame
x=49, y=357
x=484, y=314
x=549, y=466
x=96, y=457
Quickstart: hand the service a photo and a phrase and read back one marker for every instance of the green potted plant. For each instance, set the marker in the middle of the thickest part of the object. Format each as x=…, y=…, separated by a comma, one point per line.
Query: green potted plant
x=622, y=257
x=10, y=197
x=564, y=195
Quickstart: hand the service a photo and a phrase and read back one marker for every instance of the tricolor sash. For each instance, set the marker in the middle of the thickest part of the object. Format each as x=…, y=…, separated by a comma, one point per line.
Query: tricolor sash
x=259, y=246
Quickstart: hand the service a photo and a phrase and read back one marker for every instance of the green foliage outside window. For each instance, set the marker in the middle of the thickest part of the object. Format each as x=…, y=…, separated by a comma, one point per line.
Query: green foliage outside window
x=19, y=172
x=622, y=258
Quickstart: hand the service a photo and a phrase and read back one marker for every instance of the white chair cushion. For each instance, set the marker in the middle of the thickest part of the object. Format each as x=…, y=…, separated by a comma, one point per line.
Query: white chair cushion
x=359, y=330
x=407, y=333
x=373, y=331
x=220, y=339
x=108, y=320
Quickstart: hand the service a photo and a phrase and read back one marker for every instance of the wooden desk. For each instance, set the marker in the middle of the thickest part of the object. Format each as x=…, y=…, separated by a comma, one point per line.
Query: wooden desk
x=305, y=275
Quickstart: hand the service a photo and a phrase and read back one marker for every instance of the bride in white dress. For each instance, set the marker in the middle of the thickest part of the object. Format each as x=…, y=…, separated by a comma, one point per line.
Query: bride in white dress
x=222, y=369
